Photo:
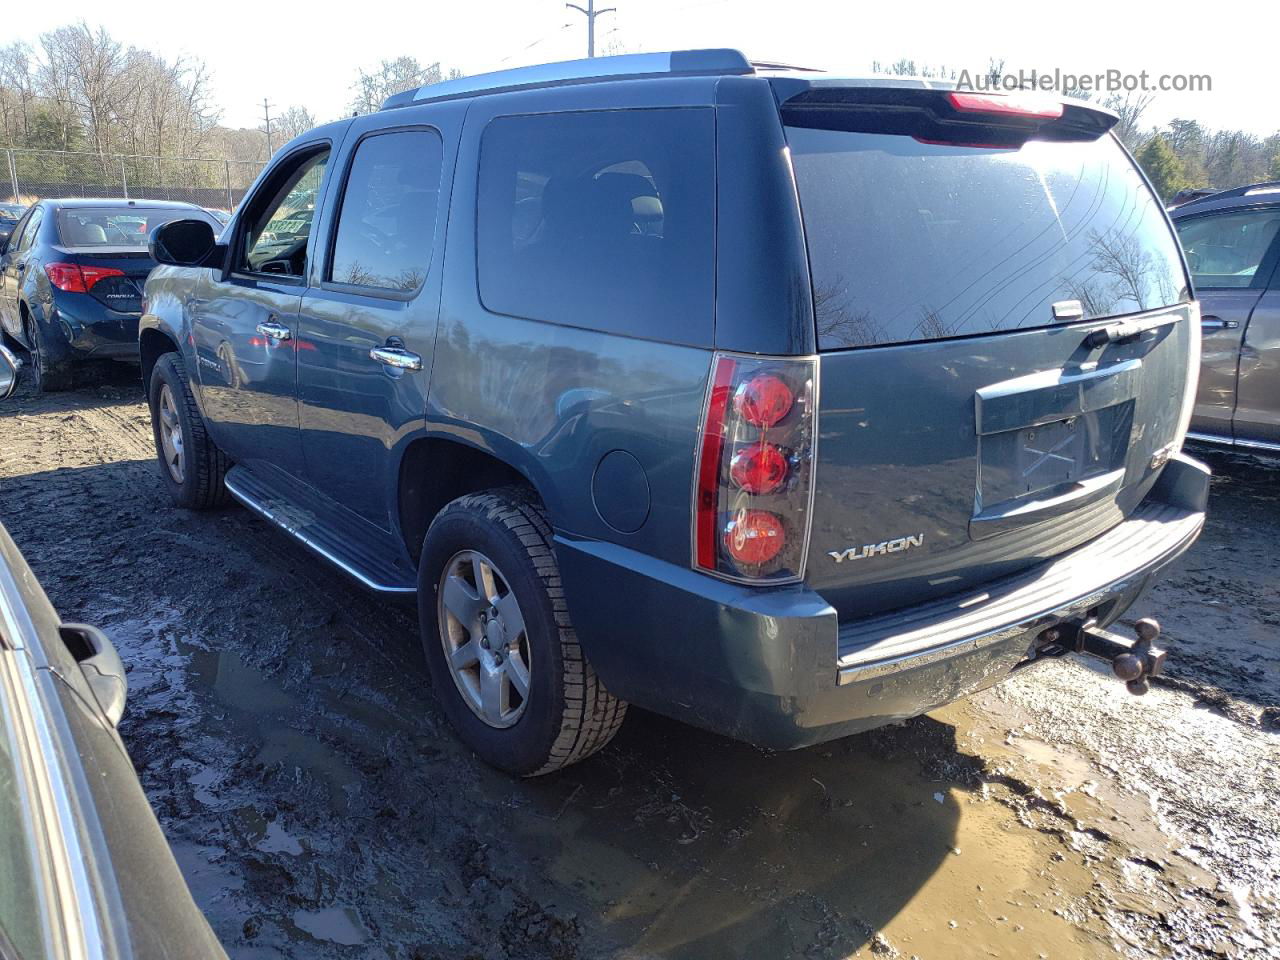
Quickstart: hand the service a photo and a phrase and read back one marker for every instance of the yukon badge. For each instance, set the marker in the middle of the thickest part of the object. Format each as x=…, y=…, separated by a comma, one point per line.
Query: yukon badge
x=876, y=549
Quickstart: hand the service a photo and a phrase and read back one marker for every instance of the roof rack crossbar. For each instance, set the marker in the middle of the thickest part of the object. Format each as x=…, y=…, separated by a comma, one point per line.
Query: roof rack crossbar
x=594, y=70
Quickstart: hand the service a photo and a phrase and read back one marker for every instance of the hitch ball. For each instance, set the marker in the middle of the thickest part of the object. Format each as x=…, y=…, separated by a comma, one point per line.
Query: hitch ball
x=1143, y=661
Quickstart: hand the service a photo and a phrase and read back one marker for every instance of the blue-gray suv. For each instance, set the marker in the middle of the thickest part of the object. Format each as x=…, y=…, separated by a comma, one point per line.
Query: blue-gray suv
x=783, y=404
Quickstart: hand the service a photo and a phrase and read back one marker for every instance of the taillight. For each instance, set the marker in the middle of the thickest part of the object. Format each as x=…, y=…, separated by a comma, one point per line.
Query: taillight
x=755, y=462
x=78, y=278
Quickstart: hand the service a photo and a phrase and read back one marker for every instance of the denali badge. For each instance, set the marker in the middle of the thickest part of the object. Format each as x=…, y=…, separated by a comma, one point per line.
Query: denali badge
x=875, y=549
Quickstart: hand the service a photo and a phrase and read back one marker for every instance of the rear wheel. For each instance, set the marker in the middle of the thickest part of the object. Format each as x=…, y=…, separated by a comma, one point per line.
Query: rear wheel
x=191, y=465
x=46, y=376
x=504, y=658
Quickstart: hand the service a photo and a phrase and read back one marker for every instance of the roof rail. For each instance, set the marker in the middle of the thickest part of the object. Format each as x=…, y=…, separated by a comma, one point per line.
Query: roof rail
x=1248, y=190
x=593, y=70
x=774, y=66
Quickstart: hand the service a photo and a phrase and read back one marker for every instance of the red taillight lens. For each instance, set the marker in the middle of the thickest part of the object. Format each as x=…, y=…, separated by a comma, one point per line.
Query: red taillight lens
x=65, y=276
x=755, y=459
x=754, y=537
x=707, y=505
x=763, y=400
x=76, y=277
x=760, y=468
x=1008, y=104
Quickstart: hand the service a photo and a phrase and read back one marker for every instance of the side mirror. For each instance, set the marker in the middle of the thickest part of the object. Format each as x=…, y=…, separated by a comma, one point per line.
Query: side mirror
x=182, y=243
x=9, y=365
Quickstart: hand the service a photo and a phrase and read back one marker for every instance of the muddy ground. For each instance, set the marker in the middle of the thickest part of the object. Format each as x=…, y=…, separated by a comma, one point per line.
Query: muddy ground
x=284, y=728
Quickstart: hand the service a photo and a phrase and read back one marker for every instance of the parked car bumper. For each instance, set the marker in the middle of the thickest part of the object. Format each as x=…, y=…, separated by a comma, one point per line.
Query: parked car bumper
x=90, y=330
x=776, y=668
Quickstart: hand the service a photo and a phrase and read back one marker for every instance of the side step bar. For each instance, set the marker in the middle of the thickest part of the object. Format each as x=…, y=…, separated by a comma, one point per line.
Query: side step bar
x=356, y=548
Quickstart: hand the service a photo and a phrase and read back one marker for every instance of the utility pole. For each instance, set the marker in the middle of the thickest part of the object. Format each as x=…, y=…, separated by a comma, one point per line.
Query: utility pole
x=590, y=12
x=266, y=115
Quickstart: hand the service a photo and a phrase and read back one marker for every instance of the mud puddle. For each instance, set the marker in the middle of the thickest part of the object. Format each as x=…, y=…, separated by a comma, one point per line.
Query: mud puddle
x=284, y=730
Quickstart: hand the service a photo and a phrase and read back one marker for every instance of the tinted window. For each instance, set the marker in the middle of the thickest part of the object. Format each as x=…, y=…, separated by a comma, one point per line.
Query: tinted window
x=388, y=218
x=279, y=228
x=117, y=226
x=915, y=241
x=600, y=220
x=1225, y=250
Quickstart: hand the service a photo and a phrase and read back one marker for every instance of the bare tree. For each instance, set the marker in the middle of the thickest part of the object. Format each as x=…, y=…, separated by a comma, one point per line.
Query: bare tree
x=390, y=77
x=1130, y=107
x=292, y=123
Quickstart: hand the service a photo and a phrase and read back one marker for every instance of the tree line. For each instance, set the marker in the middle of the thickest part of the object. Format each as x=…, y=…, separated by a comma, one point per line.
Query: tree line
x=79, y=89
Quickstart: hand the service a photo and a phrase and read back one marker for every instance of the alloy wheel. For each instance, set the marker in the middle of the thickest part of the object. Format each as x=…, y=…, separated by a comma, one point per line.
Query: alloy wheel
x=483, y=634
x=171, y=436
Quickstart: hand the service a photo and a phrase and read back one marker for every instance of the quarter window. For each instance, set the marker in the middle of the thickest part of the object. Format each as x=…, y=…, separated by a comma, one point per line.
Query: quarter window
x=388, y=219
x=1225, y=250
x=32, y=228
x=601, y=219
x=279, y=231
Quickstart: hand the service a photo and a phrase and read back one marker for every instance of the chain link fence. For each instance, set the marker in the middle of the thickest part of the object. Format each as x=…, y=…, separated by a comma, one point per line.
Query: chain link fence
x=30, y=175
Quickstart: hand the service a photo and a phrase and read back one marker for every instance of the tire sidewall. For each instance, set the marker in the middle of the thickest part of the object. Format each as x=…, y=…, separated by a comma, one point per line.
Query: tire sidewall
x=184, y=494
x=525, y=746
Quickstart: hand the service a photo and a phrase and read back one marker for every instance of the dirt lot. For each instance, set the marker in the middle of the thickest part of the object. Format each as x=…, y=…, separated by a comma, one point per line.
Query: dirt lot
x=285, y=731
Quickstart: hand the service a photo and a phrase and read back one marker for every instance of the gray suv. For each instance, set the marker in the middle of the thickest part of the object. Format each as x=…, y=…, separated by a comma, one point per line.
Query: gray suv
x=782, y=404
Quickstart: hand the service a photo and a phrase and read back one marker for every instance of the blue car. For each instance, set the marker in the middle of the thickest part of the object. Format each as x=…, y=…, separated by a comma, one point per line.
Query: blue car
x=71, y=275
x=784, y=404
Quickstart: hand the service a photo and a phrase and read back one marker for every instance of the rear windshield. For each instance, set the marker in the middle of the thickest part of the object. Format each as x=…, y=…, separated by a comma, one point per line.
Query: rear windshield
x=118, y=226
x=912, y=241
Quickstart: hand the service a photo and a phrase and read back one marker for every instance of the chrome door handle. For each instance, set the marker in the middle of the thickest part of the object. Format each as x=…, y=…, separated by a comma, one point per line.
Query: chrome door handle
x=1211, y=323
x=397, y=357
x=275, y=330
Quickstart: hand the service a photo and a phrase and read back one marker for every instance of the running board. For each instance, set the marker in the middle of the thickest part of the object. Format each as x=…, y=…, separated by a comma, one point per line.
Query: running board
x=357, y=548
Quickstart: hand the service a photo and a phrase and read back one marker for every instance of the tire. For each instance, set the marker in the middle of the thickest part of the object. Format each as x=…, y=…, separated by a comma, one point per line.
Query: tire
x=567, y=714
x=196, y=483
x=46, y=377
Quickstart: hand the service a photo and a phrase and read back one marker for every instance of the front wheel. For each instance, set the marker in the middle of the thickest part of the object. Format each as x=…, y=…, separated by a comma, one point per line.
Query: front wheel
x=504, y=658
x=191, y=465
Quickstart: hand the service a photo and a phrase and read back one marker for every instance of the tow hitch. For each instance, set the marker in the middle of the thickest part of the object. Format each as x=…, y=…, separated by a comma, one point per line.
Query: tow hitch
x=1133, y=661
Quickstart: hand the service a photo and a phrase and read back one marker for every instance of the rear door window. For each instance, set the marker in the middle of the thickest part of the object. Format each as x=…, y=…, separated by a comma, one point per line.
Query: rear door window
x=912, y=241
x=601, y=219
x=1225, y=250
x=387, y=223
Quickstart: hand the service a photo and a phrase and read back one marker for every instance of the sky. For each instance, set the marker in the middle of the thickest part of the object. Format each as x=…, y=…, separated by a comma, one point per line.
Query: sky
x=308, y=53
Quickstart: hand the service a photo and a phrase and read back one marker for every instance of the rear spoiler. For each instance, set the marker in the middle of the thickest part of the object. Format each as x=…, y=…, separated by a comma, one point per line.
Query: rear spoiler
x=932, y=115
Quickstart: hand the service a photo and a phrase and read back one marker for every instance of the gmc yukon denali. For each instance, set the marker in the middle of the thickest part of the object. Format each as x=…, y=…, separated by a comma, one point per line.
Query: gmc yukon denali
x=783, y=404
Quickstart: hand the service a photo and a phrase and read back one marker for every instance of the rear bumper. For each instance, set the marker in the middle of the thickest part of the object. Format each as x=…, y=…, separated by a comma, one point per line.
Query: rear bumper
x=90, y=330
x=775, y=667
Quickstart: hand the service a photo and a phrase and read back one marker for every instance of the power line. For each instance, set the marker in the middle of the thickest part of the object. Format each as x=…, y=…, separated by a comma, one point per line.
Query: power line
x=529, y=46
x=590, y=12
